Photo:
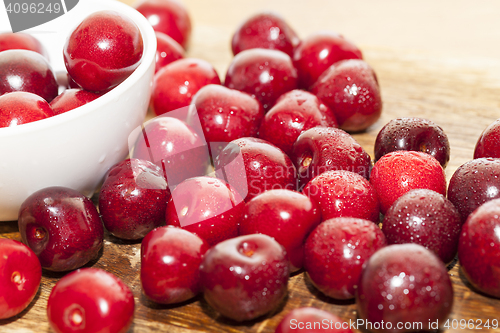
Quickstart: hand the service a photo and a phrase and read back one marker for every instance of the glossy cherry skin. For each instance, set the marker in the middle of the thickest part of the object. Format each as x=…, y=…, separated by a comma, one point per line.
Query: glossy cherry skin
x=21, y=107
x=103, y=50
x=264, y=74
x=167, y=50
x=133, y=199
x=172, y=145
x=341, y=193
x=169, y=17
x=19, y=278
x=417, y=134
x=266, y=30
x=207, y=207
x=62, y=227
x=318, y=51
x=488, y=143
x=70, y=99
x=175, y=84
x=285, y=215
x=479, y=248
x=294, y=112
x=262, y=167
x=321, y=149
x=404, y=283
x=90, y=300
x=474, y=183
x=427, y=218
x=312, y=320
x=401, y=171
x=170, y=264
x=350, y=89
x=225, y=115
x=335, y=252
x=23, y=70
x=245, y=277
x=21, y=41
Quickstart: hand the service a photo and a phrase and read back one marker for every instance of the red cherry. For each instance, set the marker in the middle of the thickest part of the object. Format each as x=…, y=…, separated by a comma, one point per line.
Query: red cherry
x=90, y=300
x=21, y=41
x=71, y=99
x=312, y=320
x=20, y=277
x=103, y=50
x=20, y=107
x=170, y=261
x=167, y=50
x=489, y=142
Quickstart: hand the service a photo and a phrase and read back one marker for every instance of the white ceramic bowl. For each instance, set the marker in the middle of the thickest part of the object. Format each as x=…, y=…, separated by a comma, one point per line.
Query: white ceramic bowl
x=76, y=148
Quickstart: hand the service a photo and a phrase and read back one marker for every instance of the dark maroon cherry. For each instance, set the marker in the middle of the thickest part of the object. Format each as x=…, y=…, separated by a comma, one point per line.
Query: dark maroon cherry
x=133, y=199
x=23, y=70
x=488, y=144
x=21, y=41
x=207, y=207
x=103, y=50
x=170, y=264
x=264, y=74
x=62, y=227
x=167, y=50
x=20, y=277
x=245, y=277
x=90, y=300
x=427, y=218
x=341, y=193
x=321, y=149
x=351, y=90
x=312, y=320
x=21, y=107
x=294, y=113
x=267, y=31
x=479, y=248
x=417, y=134
x=319, y=51
x=335, y=252
x=71, y=99
x=285, y=215
x=256, y=166
x=404, y=283
x=474, y=183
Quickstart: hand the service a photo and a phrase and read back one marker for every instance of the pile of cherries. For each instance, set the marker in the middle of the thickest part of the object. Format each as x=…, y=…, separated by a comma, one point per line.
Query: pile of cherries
x=257, y=179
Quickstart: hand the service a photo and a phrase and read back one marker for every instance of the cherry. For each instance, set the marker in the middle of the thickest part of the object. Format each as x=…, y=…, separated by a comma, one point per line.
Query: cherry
x=285, y=215
x=167, y=16
x=207, y=207
x=21, y=107
x=19, y=278
x=489, y=142
x=321, y=149
x=261, y=167
x=167, y=50
x=319, y=51
x=62, y=227
x=245, y=277
x=312, y=320
x=400, y=171
x=21, y=41
x=103, y=50
x=350, y=89
x=170, y=261
x=427, y=218
x=335, y=252
x=90, y=300
x=479, y=248
x=70, y=99
x=474, y=183
x=133, y=199
x=23, y=70
x=404, y=283
x=265, y=30
x=265, y=74
x=415, y=134
x=175, y=84
x=343, y=193
x=294, y=112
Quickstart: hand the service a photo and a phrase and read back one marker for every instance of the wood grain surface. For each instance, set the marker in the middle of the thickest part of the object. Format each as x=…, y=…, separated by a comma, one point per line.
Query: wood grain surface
x=438, y=60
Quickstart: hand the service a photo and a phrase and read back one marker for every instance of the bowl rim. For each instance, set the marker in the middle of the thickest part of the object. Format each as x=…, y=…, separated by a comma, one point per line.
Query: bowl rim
x=147, y=59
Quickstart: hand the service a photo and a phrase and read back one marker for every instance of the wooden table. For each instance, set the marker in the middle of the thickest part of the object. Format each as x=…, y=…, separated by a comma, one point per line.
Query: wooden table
x=438, y=60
